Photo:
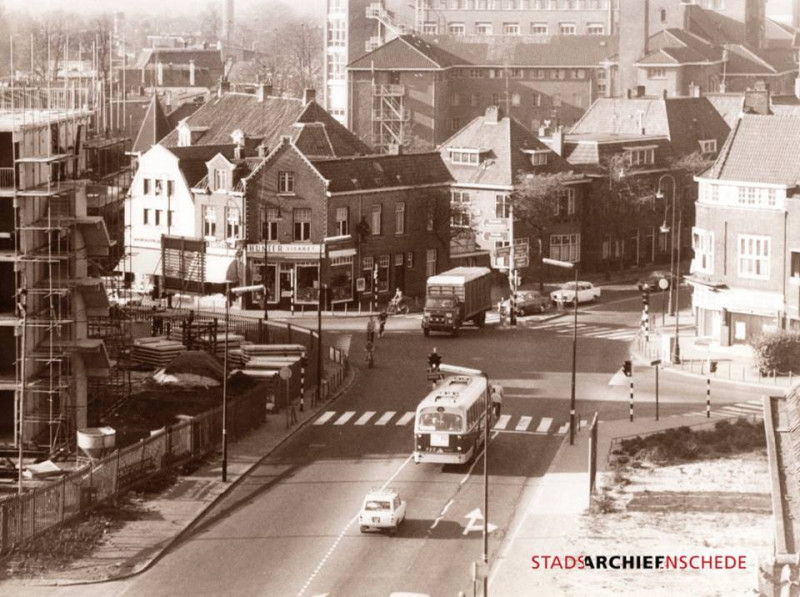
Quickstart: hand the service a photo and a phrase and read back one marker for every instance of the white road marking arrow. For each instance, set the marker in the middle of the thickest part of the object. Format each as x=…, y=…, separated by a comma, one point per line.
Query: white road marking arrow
x=476, y=522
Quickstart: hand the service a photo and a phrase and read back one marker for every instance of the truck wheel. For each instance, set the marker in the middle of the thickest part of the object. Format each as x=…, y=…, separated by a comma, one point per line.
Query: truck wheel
x=455, y=332
x=362, y=528
x=426, y=332
x=481, y=319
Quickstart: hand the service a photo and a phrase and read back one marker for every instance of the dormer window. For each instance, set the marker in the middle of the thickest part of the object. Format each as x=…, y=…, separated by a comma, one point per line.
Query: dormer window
x=465, y=156
x=184, y=136
x=238, y=137
x=708, y=146
x=539, y=157
x=220, y=180
x=640, y=156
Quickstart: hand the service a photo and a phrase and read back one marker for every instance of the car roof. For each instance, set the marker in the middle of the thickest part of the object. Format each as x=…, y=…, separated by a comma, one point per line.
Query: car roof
x=386, y=494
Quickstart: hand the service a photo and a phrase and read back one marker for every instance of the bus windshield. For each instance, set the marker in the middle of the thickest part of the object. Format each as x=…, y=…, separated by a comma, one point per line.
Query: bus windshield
x=439, y=303
x=436, y=421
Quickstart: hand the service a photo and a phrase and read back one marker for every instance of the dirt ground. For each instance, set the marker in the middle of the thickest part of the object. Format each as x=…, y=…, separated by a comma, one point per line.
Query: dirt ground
x=719, y=506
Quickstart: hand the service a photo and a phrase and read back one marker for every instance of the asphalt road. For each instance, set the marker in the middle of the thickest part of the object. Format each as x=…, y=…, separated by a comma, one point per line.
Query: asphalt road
x=289, y=529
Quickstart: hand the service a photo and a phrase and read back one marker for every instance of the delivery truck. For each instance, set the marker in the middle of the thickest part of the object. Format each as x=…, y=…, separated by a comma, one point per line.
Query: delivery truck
x=456, y=296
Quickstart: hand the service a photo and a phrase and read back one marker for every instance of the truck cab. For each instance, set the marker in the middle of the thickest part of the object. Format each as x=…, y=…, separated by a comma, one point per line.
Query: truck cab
x=442, y=312
x=456, y=296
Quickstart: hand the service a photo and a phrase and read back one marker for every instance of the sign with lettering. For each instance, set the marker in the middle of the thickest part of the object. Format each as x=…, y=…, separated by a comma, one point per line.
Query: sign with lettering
x=282, y=248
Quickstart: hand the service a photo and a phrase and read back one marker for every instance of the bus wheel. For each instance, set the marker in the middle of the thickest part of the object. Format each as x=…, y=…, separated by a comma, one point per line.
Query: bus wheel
x=426, y=332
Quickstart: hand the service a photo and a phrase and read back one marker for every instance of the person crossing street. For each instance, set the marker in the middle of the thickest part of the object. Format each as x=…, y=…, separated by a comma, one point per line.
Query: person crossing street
x=382, y=323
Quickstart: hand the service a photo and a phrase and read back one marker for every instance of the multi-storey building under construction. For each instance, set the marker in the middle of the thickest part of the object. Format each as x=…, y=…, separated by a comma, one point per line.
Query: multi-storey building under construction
x=54, y=245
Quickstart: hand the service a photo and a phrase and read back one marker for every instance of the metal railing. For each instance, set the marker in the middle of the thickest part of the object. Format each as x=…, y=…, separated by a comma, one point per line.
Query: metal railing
x=7, y=182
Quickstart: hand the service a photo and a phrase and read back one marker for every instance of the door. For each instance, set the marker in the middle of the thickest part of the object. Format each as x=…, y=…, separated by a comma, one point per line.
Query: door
x=286, y=284
x=399, y=272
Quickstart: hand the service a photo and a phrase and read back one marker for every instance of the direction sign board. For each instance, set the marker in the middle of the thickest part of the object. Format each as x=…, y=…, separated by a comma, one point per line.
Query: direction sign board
x=521, y=260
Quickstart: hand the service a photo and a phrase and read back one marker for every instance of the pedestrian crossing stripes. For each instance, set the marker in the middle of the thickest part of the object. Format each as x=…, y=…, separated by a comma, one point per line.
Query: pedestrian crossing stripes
x=587, y=330
x=505, y=423
x=752, y=408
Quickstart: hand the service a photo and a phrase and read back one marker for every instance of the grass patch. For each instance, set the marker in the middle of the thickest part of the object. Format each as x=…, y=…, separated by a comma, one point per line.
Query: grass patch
x=684, y=444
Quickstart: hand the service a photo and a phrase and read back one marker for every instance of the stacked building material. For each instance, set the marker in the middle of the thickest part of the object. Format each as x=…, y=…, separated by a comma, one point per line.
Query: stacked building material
x=158, y=351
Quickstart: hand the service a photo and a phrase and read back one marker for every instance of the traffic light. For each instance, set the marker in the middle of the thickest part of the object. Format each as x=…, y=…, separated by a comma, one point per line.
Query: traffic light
x=434, y=360
x=304, y=361
x=627, y=368
x=646, y=297
x=712, y=366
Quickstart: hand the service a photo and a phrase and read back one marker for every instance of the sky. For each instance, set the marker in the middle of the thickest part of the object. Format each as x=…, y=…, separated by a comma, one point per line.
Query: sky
x=152, y=6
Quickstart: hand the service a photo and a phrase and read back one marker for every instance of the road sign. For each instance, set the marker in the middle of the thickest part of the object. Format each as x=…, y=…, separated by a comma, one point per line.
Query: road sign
x=663, y=283
x=475, y=523
x=502, y=252
x=521, y=261
x=285, y=373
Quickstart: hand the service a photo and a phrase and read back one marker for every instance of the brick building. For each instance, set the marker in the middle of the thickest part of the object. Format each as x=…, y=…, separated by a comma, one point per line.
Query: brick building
x=746, y=240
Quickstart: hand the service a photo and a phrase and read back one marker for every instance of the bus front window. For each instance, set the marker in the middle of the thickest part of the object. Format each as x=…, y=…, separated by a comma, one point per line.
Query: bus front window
x=436, y=421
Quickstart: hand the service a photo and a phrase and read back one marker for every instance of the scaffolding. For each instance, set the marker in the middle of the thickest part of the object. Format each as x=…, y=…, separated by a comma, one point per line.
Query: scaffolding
x=389, y=116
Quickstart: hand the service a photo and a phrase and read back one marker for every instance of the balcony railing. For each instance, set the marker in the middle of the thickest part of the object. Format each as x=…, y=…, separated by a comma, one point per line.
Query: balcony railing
x=389, y=90
x=376, y=10
x=7, y=179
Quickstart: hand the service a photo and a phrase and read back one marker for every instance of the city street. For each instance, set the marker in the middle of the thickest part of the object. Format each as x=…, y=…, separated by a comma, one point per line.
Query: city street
x=290, y=528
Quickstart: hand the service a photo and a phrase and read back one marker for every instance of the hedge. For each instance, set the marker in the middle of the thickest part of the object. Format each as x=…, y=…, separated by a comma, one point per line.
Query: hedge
x=777, y=351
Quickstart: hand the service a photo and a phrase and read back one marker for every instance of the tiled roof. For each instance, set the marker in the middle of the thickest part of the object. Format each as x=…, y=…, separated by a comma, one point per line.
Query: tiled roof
x=438, y=52
x=747, y=61
x=383, y=171
x=675, y=46
x=155, y=127
x=192, y=160
x=269, y=121
x=502, y=144
x=761, y=149
x=183, y=111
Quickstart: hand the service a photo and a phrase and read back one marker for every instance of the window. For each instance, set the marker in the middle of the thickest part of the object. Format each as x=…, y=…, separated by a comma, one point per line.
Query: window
x=410, y=260
x=752, y=196
x=157, y=213
x=537, y=99
x=657, y=73
x=708, y=146
x=170, y=188
x=233, y=223
x=753, y=257
x=565, y=205
x=383, y=273
x=464, y=156
x=400, y=218
x=459, y=208
x=541, y=73
x=516, y=73
x=538, y=28
x=502, y=206
x=270, y=219
x=495, y=99
x=565, y=247
x=209, y=221
x=377, y=213
x=336, y=66
x=430, y=27
x=455, y=100
x=567, y=29
x=157, y=187
x=147, y=184
x=430, y=262
x=496, y=73
x=145, y=216
x=515, y=99
x=474, y=100
x=342, y=221
x=456, y=29
x=510, y=28
x=368, y=267
x=220, y=180
x=337, y=33
x=539, y=158
x=640, y=156
x=595, y=29
x=430, y=219
x=286, y=182
x=399, y=260
x=475, y=73
x=795, y=264
x=302, y=223
x=483, y=28
x=703, y=245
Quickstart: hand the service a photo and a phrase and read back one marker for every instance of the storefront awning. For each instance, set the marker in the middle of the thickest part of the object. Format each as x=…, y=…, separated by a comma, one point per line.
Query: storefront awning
x=711, y=284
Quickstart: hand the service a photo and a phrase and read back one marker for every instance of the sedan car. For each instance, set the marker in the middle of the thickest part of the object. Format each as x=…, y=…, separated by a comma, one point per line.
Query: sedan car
x=382, y=509
x=651, y=282
x=528, y=301
x=586, y=292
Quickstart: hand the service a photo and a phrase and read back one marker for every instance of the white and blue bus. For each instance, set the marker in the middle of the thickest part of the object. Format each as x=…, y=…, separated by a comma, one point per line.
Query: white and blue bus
x=449, y=424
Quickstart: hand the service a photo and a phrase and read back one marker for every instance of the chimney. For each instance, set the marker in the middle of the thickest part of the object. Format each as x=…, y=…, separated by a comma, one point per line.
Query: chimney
x=260, y=92
x=757, y=100
x=309, y=95
x=237, y=152
x=191, y=74
x=557, y=141
x=664, y=94
x=223, y=86
x=492, y=115
x=394, y=149
x=159, y=74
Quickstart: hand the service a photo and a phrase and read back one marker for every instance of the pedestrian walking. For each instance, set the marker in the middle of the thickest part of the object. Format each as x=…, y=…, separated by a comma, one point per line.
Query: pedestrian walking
x=382, y=323
x=371, y=330
x=497, y=400
x=501, y=311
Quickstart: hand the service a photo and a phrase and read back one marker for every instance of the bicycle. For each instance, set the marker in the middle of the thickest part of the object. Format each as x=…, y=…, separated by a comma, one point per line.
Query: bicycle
x=397, y=308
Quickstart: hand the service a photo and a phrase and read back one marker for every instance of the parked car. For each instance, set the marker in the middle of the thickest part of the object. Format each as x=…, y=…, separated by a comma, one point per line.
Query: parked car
x=528, y=301
x=586, y=292
x=382, y=509
x=651, y=282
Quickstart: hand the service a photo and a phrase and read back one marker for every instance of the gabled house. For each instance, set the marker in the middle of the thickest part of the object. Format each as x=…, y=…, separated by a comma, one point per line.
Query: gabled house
x=637, y=144
x=486, y=159
x=746, y=267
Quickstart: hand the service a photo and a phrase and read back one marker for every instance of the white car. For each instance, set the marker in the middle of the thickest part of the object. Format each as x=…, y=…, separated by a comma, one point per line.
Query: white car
x=382, y=509
x=566, y=294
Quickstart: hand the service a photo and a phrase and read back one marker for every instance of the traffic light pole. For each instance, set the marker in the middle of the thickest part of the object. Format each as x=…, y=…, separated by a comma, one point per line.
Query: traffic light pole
x=574, y=364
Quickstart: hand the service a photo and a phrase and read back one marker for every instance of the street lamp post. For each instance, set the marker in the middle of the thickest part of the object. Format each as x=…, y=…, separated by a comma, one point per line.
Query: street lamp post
x=675, y=261
x=574, y=266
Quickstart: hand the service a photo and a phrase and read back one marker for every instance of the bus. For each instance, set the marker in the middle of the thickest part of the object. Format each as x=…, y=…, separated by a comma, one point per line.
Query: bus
x=449, y=422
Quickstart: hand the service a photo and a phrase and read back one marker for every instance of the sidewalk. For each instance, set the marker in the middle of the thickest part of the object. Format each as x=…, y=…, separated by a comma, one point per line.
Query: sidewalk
x=548, y=519
x=138, y=544
x=735, y=363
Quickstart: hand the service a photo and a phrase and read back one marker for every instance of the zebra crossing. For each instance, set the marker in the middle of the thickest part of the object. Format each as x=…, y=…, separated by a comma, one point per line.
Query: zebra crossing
x=588, y=330
x=752, y=408
x=505, y=423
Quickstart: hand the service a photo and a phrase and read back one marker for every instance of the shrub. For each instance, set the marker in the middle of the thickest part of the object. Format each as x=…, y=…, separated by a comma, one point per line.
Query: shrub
x=777, y=351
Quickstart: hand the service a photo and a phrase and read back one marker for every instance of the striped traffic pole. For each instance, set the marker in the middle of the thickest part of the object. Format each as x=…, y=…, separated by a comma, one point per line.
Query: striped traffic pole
x=631, y=406
x=302, y=382
x=708, y=396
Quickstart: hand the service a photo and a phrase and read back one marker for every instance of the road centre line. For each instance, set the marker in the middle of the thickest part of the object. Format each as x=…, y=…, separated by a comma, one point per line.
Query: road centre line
x=344, y=531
